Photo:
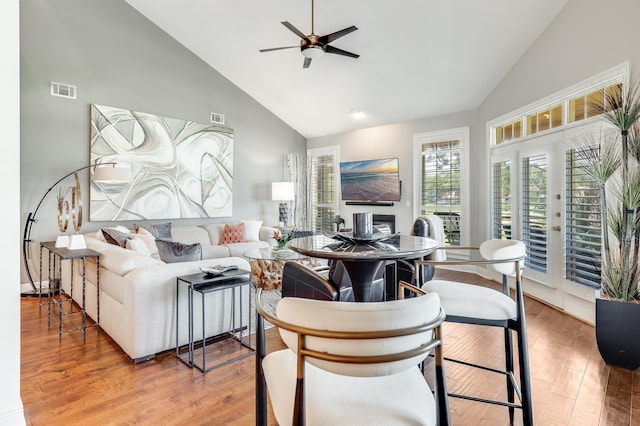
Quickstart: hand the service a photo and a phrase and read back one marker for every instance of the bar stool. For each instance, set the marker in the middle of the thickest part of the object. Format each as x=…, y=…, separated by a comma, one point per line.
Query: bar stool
x=473, y=304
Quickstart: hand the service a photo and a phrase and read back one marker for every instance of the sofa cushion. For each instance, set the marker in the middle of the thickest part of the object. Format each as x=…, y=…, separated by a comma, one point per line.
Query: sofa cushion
x=214, y=252
x=215, y=231
x=251, y=229
x=122, y=261
x=158, y=230
x=191, y=235
x=238, y=249
x=174, y=251
x=233, y=234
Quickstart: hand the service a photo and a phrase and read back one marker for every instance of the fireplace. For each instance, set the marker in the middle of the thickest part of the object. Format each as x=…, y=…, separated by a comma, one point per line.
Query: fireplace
x=385, y=219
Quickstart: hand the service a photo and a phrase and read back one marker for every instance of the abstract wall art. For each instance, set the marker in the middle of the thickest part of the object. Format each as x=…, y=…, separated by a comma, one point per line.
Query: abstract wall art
x=180, y=168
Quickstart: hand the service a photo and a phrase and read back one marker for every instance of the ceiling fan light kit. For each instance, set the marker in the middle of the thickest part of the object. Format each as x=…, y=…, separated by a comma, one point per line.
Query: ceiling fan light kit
x=312, y=52
x=313, y=46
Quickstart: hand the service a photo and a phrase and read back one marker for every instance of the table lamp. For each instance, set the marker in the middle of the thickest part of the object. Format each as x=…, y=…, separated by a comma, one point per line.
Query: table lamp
x=283, y=192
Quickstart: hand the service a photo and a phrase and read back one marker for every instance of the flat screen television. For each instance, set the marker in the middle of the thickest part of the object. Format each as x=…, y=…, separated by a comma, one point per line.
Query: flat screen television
x=370, y=180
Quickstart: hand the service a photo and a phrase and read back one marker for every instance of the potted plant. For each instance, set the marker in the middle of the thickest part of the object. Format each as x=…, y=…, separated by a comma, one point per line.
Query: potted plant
x=615, y=166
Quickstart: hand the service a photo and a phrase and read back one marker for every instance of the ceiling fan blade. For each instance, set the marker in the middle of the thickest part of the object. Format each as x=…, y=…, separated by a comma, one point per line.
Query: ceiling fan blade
x=296, y=31
x=334, y=36
x=307, y=62
x=331, y=49
x=278, y=48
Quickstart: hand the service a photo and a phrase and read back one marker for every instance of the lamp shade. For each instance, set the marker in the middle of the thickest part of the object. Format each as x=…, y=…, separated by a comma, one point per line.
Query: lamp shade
x=112, y=174
x=282, y=191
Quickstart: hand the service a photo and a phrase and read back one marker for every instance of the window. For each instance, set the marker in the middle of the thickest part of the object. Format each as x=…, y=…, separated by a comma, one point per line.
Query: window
x=582, y=242
x=509, y=131
x=589, y=103
x=322, y=167
x=440, y=181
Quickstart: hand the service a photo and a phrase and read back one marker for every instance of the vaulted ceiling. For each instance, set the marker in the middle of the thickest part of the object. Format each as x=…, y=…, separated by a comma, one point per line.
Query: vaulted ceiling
x=418, y=58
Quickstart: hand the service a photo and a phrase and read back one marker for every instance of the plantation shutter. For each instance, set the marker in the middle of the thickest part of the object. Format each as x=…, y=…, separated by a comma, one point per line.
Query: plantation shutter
x=441, y=185
x=534, y=211
x=322, y=196
x=501, y=197
x=583, y=224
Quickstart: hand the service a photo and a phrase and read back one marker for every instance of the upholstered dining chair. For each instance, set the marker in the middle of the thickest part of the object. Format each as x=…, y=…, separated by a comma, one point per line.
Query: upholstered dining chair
x=429, y=226
x=473, y=304
x=354, y=363
x=299, y=280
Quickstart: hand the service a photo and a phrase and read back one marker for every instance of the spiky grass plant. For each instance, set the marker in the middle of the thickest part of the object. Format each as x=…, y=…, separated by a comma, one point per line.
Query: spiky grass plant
x=615, y=166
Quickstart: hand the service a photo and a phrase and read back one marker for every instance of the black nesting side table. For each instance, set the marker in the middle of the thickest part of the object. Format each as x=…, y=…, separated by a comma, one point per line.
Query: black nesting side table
x=204, y=284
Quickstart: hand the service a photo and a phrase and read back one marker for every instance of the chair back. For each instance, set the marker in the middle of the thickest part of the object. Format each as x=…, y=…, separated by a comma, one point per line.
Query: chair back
x=299, y=280
x=361, y=339
x=503, y=250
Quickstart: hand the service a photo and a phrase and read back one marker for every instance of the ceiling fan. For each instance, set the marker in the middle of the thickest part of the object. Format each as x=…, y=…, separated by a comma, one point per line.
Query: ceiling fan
x=314, y=46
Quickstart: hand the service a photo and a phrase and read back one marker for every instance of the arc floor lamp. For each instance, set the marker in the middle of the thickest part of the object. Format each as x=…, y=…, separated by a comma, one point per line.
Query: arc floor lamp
x=101, y=174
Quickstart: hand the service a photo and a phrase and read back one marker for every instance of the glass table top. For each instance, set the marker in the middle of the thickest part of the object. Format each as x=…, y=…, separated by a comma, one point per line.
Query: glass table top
x=273, y=253
x=398, y=247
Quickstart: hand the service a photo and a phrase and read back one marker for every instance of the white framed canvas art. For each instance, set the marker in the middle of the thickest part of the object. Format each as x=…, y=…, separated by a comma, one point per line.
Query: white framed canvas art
x=180, y=168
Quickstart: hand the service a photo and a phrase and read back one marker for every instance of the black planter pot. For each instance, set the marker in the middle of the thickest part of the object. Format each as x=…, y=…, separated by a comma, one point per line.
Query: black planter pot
x=618, y=332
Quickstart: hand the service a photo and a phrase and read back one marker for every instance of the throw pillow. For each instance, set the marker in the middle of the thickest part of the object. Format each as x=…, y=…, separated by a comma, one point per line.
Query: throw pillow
x=233, y=234
x=113, y=236
x=150, y=242
x=100, y=236
x=173, y=251
x=137, y=244
x=158, y=230
x=252, y=229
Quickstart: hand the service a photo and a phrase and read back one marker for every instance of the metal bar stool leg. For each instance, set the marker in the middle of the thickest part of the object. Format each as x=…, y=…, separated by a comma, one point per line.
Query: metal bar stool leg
x=525, y=378
x=508, y=354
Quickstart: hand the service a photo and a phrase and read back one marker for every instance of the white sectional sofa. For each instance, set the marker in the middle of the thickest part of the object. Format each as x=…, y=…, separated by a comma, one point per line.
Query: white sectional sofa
x=138, y=291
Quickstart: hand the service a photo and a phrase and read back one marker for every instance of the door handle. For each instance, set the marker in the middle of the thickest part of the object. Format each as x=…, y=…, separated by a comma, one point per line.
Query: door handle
x=556, y=228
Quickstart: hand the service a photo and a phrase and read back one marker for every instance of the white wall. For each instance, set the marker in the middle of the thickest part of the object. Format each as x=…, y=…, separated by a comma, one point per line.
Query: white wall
x=10, y=403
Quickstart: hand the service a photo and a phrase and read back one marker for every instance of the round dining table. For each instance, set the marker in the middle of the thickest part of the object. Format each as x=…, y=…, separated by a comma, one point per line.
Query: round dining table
x=363, y=258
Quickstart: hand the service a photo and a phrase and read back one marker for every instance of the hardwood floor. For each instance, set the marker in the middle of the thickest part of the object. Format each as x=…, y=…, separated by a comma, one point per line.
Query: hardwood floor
x=95, y=383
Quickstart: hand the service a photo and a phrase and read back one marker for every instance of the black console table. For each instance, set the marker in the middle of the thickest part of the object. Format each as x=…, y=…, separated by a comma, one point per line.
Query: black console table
x=56, y=256
x=204, y=284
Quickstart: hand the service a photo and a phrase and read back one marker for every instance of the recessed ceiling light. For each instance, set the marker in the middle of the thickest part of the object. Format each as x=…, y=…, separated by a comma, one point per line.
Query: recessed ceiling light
x=356, y=113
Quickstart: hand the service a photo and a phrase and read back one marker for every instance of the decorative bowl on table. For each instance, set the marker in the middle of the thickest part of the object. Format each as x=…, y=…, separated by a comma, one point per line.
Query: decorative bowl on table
x=349, y=238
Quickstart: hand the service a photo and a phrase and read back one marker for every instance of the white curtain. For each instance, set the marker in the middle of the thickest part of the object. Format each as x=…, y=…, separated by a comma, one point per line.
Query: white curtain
x=296, y=172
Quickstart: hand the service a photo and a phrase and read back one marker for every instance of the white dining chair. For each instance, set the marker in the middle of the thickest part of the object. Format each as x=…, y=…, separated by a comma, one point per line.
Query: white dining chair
x=474, y=304
x=354, y=363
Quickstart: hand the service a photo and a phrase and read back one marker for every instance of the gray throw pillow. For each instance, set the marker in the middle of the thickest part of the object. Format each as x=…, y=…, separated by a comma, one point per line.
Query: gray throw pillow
x=113, y=236
x=173, y=251
x=159, y=230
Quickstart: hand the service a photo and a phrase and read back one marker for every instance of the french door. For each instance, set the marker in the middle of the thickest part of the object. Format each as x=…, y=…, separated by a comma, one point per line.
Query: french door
x=542, y=197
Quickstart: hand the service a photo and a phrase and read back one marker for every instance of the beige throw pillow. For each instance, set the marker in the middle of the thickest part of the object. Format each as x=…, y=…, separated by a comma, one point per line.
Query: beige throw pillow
x=252, y=229
x=137, y=244
x=149, y=241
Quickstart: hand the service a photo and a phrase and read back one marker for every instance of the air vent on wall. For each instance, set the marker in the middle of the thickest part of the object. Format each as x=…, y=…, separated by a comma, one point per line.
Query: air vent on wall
x=217, y=118
x=63, y=90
